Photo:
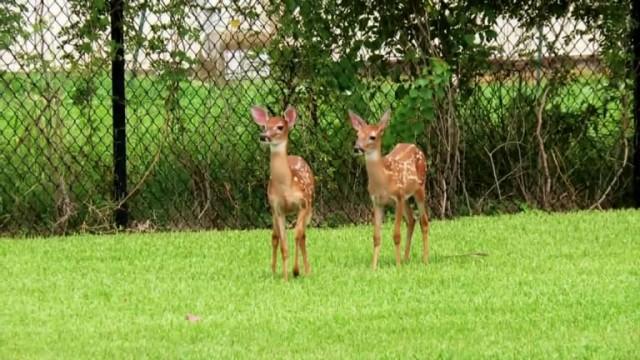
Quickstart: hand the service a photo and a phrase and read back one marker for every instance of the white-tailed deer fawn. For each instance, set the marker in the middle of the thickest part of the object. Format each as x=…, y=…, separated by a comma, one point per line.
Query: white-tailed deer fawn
x=392, y=180
x=290, y=188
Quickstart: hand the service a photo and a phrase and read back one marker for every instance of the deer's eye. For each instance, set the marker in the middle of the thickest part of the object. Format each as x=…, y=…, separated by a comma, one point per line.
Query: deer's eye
x=372, y=137
x=280, y=127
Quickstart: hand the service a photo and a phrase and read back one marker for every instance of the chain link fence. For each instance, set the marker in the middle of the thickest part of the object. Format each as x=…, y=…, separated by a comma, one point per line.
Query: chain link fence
x=545, y=124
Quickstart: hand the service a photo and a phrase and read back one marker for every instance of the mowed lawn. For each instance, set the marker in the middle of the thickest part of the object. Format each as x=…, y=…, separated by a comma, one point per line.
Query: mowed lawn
x=559, y=285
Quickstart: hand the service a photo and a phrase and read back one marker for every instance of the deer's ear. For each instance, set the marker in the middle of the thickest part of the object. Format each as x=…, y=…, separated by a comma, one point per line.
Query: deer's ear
x=291, y=115
x=260, y=115
x=356, y=120
x=384, y=120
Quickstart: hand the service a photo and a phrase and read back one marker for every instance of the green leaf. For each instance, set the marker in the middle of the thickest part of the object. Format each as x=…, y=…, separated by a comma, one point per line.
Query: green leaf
x=469, y=38
x=422, y=82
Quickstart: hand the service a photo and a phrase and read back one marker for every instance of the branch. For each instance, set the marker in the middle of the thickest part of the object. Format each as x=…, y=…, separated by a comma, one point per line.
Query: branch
x=625, y=122
x=546, y=189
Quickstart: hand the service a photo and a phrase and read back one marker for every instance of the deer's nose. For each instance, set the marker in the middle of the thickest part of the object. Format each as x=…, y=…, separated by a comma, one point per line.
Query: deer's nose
x=264, y=138
x=357, y=150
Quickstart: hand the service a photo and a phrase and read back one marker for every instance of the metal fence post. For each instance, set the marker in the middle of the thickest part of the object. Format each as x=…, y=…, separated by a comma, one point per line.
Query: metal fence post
x=119, y=120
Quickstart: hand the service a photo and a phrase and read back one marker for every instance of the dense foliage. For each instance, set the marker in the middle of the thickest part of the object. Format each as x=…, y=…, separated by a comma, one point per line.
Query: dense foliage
x=531, y=128
x=485, y=140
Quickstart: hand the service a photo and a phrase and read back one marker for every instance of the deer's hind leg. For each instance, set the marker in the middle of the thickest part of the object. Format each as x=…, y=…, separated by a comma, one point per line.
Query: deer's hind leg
x=411, y=223
x=301, y=240
x=397, y=237
x=298, y=234
x=424, y=223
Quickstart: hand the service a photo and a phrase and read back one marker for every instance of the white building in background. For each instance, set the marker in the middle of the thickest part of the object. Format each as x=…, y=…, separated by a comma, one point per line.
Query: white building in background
x=562, y=34
x=57, y=14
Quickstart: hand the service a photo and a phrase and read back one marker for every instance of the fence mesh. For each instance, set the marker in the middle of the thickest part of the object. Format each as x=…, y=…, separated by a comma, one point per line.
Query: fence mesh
x=545, y=124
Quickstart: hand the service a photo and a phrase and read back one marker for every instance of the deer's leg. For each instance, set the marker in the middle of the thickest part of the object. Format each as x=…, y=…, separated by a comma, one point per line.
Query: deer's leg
x=284, y=246
x=275, y=240
x=378, y=213
x=411, y=223
x=396, y=229
x=301, y=236
x=424, y=224
x=303, y=241
x=296, y=252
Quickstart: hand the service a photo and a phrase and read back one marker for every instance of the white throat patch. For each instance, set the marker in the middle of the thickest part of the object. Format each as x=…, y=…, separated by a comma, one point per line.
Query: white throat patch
x=277, y=148
x=372, y=156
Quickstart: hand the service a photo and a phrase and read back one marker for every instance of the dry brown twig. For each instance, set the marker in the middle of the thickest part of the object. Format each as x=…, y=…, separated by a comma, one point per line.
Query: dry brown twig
x=625, y=144
x=150, y=168
x=564, y=177
x=493, y=170
x=546, y=189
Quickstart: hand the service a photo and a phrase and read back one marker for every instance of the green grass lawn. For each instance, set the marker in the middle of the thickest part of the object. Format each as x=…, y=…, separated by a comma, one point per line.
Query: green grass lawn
x=562, y=285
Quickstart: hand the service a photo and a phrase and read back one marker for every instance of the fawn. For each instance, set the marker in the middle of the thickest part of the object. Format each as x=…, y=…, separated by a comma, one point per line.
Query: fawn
x=392, y=180
x=290, y=187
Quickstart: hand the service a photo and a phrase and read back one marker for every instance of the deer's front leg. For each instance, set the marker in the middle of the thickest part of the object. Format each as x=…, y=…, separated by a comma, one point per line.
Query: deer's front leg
x=275, y=240
x=378, y=213
x=396, y=229
x=284, y=245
